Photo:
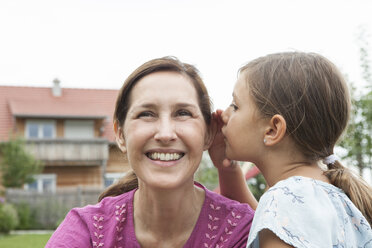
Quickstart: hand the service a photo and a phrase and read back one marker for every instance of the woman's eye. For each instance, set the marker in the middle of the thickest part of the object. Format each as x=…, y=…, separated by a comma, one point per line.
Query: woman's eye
x=234, y=106
x=183, y=113
x=146, y=114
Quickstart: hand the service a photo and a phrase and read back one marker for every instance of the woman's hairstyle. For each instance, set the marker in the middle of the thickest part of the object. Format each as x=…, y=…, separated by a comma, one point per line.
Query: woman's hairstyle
x=169, y=64
x=311, y=95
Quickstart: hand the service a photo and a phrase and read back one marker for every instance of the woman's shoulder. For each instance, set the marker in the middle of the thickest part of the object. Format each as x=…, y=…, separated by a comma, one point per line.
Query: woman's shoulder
x=96, y=224
x=107, y=205
x=216, y=201
x=222, y=222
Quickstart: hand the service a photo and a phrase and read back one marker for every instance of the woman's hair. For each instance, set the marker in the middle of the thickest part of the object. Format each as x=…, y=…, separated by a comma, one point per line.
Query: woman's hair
x=311, y=95
x=169, y=64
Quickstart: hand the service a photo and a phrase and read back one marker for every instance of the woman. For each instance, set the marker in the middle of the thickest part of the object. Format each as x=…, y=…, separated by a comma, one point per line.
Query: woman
x=161, y=122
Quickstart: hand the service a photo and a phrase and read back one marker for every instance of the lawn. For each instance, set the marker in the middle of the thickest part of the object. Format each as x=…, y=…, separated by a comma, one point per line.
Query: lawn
x=24, y=240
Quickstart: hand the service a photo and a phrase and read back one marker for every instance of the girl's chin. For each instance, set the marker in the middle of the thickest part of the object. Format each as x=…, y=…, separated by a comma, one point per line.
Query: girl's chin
x=229, y=154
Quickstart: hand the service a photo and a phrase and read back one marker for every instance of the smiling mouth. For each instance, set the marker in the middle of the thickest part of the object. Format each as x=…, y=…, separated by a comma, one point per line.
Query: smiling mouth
x=164, y=156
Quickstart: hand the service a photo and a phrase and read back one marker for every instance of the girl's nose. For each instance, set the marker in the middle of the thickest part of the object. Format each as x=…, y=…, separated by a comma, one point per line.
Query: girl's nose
x=225, y=115
x=165, y=131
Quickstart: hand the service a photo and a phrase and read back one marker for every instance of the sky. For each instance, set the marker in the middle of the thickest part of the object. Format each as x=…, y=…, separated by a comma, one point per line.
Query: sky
x=98, y=43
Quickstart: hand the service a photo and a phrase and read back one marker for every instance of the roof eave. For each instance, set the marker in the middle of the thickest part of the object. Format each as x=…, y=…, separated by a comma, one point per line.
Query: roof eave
x=90, y=117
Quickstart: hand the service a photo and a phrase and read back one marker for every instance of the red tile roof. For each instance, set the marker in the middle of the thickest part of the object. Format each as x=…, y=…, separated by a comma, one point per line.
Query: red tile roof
x=39, y=102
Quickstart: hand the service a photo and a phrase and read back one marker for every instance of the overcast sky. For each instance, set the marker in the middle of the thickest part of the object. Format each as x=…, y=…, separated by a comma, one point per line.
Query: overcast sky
x=97, y=43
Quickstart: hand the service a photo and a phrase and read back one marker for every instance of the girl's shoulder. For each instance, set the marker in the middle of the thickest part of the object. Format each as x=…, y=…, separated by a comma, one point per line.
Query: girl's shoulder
x=300, y=188
x=309, y=213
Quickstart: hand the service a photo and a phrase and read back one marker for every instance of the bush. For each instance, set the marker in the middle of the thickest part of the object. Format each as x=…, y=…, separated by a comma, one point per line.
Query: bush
x=48, y=214
x=26, y=216
x=8, y=217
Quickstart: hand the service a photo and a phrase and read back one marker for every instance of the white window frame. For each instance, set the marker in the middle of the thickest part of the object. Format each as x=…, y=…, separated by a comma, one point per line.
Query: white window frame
x=39, y=180
x=40, y=124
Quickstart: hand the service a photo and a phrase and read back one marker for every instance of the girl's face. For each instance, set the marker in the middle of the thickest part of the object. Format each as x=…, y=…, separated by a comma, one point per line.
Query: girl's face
x=164, y=131
x=242, y=130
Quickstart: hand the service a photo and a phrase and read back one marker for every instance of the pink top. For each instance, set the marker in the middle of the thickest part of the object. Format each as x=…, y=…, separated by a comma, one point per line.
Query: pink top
x=221, y=223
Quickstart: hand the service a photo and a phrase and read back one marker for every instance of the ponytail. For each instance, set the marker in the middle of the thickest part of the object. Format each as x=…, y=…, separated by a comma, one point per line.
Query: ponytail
x=125, y=184
x=354, y=187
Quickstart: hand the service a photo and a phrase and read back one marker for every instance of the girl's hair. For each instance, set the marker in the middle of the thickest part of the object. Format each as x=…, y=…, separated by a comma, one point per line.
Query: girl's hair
x=311, y=94
x=170, y=64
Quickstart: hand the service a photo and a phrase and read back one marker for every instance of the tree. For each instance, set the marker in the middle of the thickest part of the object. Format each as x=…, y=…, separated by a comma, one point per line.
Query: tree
x=257, y=185
x=357, y=140
x=17, y=165
x=207, y=174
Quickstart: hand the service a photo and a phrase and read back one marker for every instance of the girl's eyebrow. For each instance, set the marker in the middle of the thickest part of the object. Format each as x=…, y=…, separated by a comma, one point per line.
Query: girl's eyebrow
x=234, y=96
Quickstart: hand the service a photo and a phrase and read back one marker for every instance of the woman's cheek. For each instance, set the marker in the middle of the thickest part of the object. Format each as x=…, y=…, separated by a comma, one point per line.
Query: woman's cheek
x=194, y=132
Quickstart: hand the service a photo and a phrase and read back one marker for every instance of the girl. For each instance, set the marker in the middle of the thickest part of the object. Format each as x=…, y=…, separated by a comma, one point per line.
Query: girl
x=288, y=111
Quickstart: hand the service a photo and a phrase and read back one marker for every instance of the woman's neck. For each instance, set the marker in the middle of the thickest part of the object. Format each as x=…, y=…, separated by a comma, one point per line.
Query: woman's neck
x=166, y=216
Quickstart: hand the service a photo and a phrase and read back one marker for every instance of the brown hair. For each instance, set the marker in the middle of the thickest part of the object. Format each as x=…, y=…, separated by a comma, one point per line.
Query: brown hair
x=311, y=94
x=171, y=64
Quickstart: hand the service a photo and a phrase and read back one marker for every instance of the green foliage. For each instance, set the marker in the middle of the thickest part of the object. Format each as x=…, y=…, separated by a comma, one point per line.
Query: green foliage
x=26, y=215
x=357, y=140
x=48, y=214
x=8, y=217
x=43, y=214
x=17, y=165
x=257, y=185
x=207, y=174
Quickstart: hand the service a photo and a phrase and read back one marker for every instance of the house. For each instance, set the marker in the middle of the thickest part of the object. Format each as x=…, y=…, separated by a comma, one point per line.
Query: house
x=70, y=130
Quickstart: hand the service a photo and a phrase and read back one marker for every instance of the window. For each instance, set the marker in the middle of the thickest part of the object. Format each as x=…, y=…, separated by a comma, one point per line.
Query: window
x=40, y=129
x=43, y=183
x=79, y=129
x=111, y=178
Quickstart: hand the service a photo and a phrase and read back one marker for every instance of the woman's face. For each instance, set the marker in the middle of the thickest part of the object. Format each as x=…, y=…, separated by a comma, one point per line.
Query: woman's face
x=164, y=131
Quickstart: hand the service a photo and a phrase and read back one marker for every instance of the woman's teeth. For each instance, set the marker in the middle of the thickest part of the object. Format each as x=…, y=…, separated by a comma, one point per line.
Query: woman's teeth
x=165, y=156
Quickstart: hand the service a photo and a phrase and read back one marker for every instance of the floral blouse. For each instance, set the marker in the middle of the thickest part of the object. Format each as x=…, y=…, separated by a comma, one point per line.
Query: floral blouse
x=304, y=212
x=222, y=223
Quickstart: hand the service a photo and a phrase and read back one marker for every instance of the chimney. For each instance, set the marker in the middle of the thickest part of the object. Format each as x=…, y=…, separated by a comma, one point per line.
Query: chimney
x=56, y=90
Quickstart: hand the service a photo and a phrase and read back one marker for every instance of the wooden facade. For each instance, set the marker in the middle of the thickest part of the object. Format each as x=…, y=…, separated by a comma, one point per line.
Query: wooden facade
x=71, y=162
x=77, y=162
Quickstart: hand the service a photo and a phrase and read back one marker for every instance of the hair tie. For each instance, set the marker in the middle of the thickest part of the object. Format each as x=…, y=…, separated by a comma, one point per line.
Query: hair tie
x=331, y=159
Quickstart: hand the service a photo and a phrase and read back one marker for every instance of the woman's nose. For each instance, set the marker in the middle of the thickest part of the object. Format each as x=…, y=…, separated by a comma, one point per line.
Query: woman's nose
x=165, y=131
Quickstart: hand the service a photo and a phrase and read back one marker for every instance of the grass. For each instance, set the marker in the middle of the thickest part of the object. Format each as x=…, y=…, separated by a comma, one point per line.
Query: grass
x=24, y=240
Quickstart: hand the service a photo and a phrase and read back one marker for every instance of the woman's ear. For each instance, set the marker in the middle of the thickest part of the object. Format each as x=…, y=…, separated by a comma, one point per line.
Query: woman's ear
x=275, y=131
x=209, y=136
x=119, y=136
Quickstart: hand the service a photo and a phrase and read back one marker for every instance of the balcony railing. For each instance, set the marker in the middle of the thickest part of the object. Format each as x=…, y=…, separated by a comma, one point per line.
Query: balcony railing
x=69, y=151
